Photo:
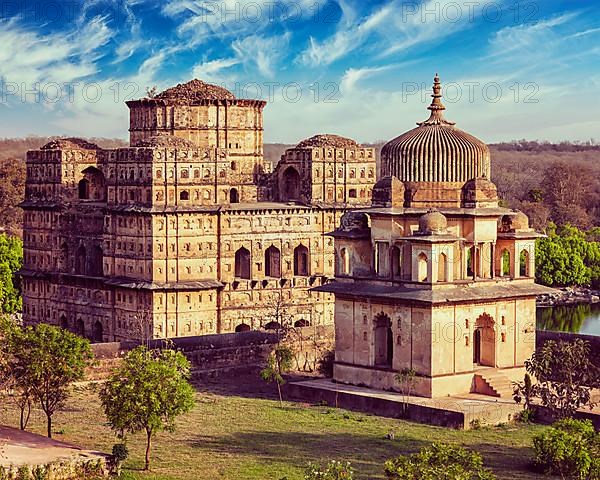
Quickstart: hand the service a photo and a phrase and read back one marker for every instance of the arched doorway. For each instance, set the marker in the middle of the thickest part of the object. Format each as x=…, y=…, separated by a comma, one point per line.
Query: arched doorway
x=93, y=185
x=64, y=323
x=290, y=185
x=80, y=328
x=484, y=341
x=272, y=262
x=301, y=261
x=98, y=333
x=242, y=263
x=234, y=196
x=384, y=346
x=242, y=327
x=84, y=189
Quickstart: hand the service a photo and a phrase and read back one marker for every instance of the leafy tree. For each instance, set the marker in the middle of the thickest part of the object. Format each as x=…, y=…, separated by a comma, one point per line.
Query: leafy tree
x=279, y=362
x=147, y=393
x=11, y=259
x=44, y=360
x=567, y=257
x=12, y=341
x=525, y=392
x=571, y=449
x=566, y=376
x=332, y=471
x=439, y=461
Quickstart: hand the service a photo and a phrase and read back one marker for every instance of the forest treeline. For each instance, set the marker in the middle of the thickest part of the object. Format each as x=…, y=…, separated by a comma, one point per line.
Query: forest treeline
x=550, y=182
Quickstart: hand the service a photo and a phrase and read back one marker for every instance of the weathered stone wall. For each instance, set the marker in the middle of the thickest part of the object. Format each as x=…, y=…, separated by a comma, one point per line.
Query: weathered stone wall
x=224, y=353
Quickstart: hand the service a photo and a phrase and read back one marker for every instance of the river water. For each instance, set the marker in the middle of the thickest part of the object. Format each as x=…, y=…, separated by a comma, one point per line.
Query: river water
x=582, y=318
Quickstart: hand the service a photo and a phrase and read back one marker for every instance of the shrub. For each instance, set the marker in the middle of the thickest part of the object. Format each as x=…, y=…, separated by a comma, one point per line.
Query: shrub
x=333, y=471
x=570, y=448
x=325, y=363
x=439, y=461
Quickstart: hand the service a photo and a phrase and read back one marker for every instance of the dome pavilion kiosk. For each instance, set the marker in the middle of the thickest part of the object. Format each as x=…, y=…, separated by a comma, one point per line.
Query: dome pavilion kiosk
x=434, y=276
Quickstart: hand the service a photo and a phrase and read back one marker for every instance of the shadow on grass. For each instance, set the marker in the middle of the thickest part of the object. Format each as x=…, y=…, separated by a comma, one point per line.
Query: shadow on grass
x=247, y=385
x=366, y=454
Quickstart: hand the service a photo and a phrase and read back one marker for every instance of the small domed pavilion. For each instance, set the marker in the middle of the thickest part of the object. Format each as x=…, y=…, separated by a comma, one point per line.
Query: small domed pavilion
x=435, y=277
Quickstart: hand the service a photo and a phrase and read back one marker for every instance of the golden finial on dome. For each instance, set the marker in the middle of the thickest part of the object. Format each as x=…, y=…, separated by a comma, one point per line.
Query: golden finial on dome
x=436, y=107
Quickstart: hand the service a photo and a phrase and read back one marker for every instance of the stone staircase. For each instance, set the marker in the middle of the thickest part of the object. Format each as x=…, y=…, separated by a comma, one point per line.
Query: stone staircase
x=493, y=383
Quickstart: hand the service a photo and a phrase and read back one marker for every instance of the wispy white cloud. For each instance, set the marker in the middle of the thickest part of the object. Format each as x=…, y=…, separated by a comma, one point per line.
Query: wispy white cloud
x=350, y=34
x=393, y=27
x=352, y=76
x=213, y=71
x=262, y=52
x=55, y=57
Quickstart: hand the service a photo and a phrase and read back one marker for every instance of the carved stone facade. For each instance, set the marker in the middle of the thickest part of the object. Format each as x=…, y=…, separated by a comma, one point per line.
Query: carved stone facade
x=167, y=238
x=441, y=283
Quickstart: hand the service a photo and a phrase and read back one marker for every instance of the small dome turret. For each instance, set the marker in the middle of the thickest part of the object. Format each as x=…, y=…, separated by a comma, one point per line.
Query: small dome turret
x=516, y=221
x=479, y=192
x=388, y=192
x=432, y=223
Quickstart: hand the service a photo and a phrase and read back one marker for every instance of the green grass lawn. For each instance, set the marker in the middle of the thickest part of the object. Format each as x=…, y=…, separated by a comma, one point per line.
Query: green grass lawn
x=235, y=433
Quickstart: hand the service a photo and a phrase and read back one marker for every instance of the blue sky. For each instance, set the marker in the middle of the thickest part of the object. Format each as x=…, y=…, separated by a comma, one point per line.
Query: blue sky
x=511, y=69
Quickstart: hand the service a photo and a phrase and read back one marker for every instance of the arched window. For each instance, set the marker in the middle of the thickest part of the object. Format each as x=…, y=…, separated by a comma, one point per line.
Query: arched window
x=184, y=195
x=524, y=264
x=97, y=332
x=233, y=166
x=242, y=327
x=442, y=268
x=234, y=196
x=96, y=268
x=84, y=189
x=64, y=323
x=301, y=261
x=272, y=326
x=185, y=173
x=505, y=263
x=242, y=263
x=384, y=348
x=352, y=193
x=290, y=185
x=344, y=261
x=272, y=262
x=396, y=262
x=301, y=323
x=80, y=261
x=422, y=267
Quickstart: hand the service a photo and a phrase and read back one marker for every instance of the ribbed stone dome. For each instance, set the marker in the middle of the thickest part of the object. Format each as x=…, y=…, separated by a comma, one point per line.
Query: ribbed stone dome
x=433, y=222
x=435, y=151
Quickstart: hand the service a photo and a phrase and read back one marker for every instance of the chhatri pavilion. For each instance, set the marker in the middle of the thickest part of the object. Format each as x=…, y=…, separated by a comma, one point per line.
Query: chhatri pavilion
x=435, y=276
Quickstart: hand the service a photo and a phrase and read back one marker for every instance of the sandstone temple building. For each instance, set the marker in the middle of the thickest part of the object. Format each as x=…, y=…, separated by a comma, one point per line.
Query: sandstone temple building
x=434, y=277
x=187, y=231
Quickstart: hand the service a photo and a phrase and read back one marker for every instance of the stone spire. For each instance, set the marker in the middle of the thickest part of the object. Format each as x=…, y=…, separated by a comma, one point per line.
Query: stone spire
x=437, y=107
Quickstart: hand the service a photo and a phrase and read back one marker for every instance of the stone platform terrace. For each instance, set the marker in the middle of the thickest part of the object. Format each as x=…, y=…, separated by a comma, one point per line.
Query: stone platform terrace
x=454, y=412
x=20, y=448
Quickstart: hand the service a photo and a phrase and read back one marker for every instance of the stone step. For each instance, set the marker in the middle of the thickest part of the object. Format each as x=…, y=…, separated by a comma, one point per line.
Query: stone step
x=498, y=383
